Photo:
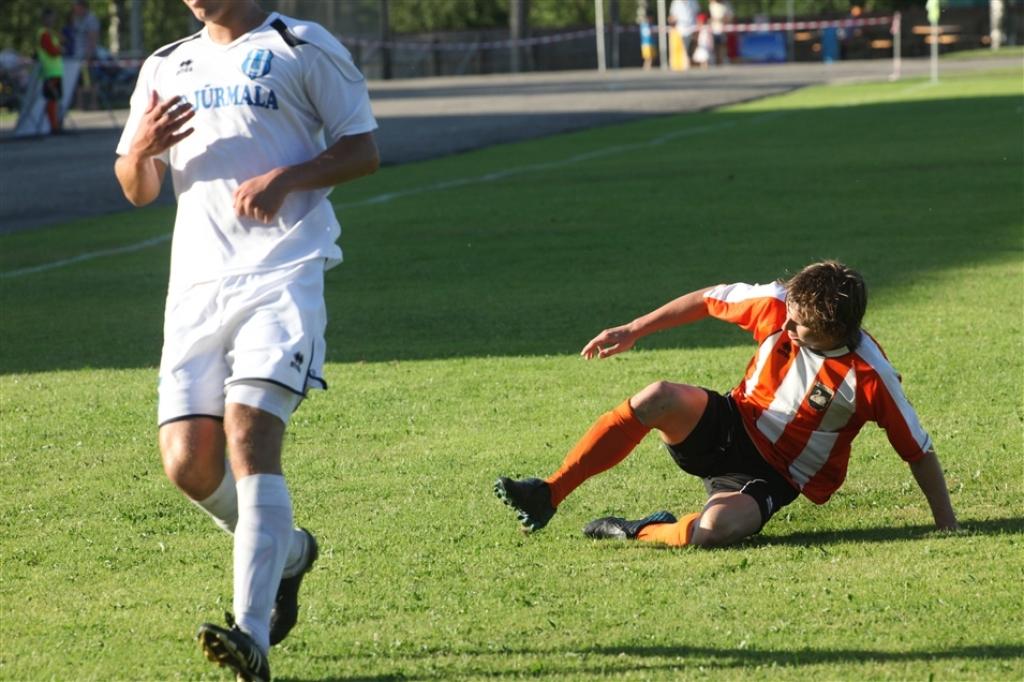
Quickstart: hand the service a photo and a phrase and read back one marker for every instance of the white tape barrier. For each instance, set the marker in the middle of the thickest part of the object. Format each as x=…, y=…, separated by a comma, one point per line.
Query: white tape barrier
x=446, y=46
x=760, y=27
x=807, y=25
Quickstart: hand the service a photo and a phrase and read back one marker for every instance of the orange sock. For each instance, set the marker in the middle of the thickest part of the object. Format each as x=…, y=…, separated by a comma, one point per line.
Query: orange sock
x=676, y=534
x=609, y=440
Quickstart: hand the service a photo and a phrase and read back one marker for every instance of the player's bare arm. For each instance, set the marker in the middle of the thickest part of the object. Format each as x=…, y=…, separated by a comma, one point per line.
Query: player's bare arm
x=928, y=474
x=139, y=172
x=683, y=310
x=349, y=158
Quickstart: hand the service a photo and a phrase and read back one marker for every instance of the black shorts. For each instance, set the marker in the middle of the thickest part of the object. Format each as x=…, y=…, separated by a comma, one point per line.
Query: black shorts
x=720, y=452
x=53, y=88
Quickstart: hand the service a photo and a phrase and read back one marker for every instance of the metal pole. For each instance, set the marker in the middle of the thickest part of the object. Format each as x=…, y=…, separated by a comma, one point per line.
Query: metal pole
x=599, y=28
x=790, y=16
x=385, y=36
x=136, y=30
x=662, y=36
x=116, y=11
x=934, y=9
x=516, y=17
x=613, y=14
x=897, y=52
x=995, y=15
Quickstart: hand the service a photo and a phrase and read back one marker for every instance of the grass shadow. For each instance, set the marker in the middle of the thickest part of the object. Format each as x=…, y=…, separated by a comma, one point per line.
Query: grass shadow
x=1007, y=526
x=626, y=658
x=537, y=262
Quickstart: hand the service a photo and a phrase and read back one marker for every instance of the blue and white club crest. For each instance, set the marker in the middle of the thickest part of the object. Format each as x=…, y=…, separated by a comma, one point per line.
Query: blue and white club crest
x=257, y=63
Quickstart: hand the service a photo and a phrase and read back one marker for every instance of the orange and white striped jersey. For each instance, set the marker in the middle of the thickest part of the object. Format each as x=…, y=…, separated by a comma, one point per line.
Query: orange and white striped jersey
x=803, y=408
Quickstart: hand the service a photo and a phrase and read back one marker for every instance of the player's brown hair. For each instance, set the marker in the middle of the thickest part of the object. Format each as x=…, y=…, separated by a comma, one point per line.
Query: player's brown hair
x=831, y=298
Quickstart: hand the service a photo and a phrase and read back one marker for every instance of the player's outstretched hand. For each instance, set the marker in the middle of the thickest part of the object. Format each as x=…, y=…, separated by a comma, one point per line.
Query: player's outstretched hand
x=161, y=126
x=609, y=342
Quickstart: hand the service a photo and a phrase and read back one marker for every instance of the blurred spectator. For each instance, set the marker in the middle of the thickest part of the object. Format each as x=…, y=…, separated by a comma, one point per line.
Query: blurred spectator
x=86, y=33
x=849, y=37
x=705, y=42
x=51, y=67
x=646, y=41
x=721, y=14
x=682, y=16
x=67, y=34
x=13, y=78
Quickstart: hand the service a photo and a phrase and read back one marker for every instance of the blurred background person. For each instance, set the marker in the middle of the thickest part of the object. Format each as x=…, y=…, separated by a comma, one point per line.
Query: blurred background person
x=702, y=53
x=682, y=17
x=85, y=29
x=647, y=49
x=720, y=13
x=51, y=67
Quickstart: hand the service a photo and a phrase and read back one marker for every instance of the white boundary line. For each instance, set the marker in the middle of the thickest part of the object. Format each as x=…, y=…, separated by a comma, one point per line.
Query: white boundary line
x=576, y=158
x=86, y=256
x=388, y=197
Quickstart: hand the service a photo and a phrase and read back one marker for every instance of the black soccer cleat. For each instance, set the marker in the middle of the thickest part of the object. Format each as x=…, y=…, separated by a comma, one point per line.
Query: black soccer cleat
x=285, y=613
x=617, y=528
x=531, y=499
x=231, y=648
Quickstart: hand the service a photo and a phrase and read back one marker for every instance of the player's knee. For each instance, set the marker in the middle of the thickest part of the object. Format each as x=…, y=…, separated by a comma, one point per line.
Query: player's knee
x=172, y=454
x=192, y=460
x=178, y=461
x=662, y=401
x=724, y=524
x=716, y=532
x=654, y=402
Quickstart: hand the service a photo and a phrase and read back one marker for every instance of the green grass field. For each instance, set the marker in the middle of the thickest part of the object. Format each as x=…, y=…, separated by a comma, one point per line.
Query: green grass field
x=470, y=284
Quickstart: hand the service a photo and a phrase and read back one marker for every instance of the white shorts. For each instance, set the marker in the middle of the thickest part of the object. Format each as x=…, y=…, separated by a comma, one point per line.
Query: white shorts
x=264, y=327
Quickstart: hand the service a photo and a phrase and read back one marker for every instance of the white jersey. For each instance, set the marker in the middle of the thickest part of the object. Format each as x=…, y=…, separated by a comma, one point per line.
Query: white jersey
x=276, y=96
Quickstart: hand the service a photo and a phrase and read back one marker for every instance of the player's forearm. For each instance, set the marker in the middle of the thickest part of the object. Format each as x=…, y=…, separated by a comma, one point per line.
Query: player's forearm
x=139, y=177
x=683, y=310
x=347, y=159
x=928, y=474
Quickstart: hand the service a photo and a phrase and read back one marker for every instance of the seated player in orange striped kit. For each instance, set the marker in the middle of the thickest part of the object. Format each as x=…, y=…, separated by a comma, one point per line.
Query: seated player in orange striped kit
x=786, y=429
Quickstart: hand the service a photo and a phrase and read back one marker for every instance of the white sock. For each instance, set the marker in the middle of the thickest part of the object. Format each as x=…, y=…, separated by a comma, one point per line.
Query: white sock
x=262, y=538
x=222, y=505
x=297, y=551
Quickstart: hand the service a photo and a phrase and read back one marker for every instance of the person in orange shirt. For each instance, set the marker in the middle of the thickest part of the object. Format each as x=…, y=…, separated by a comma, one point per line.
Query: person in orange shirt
x=785, y=430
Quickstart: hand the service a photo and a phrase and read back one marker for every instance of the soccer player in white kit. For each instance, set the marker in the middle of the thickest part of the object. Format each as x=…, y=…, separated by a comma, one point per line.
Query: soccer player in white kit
x=257, y=116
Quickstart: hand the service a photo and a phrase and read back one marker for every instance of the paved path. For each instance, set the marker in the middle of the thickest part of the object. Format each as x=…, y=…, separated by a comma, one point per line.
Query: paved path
x=48, y=180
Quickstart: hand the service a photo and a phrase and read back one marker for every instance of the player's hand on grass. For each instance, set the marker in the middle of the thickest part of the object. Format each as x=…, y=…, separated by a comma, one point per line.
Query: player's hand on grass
x=260, y=198
x=161, y=126
x=609, y=342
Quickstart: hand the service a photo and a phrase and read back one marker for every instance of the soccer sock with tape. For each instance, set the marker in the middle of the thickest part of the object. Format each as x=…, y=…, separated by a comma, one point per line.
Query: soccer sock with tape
x=222, y=506
x=262, y=539
x=676, y=534
x=609, y=440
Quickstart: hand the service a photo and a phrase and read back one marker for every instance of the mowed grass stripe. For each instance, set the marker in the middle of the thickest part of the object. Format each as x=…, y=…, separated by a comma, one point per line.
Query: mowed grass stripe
x=454, y=327
x=392, y=196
